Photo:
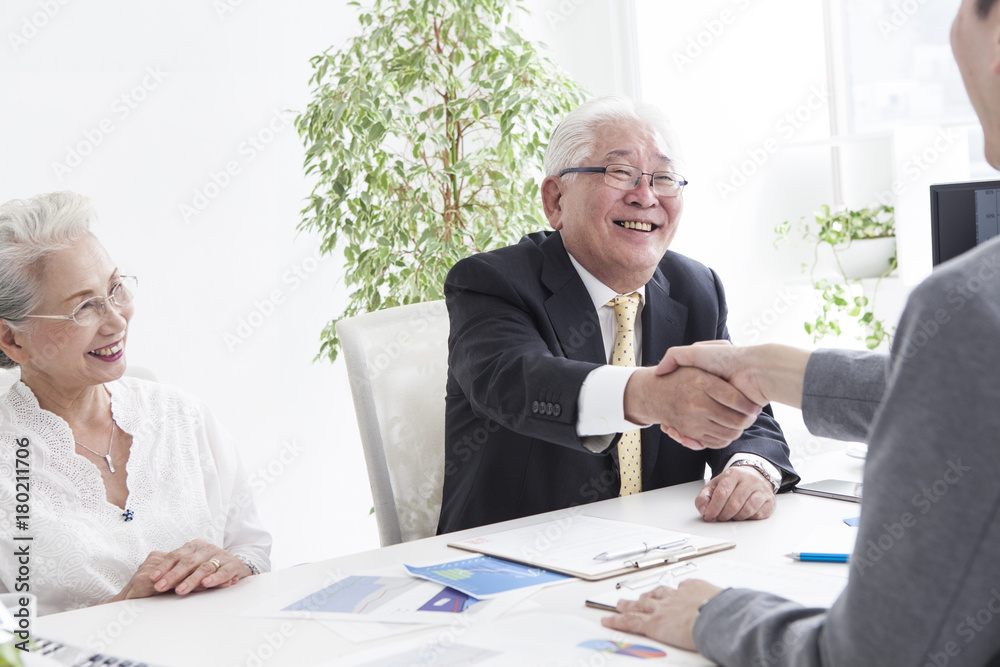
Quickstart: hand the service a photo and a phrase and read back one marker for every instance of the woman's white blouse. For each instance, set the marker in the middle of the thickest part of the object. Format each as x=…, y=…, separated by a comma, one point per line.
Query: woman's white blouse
x=72, y=548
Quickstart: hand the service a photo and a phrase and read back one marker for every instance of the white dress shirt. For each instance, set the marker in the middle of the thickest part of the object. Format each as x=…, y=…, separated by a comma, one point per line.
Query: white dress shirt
x=602, y=396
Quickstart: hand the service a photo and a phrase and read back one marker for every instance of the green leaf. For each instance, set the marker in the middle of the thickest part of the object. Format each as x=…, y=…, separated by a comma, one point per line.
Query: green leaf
x=424, y=137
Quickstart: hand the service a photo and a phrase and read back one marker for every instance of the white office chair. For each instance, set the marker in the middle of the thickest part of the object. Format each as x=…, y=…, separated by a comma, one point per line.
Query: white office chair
x=397, y=363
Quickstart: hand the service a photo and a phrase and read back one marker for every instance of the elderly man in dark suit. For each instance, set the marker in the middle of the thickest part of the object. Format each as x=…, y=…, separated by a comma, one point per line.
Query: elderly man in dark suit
x=552, y=400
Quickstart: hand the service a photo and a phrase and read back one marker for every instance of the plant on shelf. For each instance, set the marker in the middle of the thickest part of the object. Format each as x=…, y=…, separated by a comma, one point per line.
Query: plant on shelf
x=425, y=134
x=843, y=295
x=10, y=654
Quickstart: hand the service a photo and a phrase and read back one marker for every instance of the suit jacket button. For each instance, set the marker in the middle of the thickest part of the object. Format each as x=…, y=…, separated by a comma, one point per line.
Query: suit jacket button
x=548, y=408
x=556, y=409
x=534, y=407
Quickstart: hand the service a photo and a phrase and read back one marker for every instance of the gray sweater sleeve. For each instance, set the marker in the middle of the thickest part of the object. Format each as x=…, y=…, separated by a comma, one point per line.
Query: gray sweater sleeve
x=842, y=392
x=924, y=584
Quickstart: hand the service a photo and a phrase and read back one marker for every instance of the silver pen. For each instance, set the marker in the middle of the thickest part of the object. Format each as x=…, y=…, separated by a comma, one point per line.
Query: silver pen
x=645, y=548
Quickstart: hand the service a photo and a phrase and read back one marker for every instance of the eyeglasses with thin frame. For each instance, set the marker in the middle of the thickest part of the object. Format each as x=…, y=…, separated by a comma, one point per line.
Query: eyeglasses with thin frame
x=92, y=310
x=627, y=177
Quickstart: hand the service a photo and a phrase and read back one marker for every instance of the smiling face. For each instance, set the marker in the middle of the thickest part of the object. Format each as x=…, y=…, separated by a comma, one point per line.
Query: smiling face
x=598, y=221
x=59, y=354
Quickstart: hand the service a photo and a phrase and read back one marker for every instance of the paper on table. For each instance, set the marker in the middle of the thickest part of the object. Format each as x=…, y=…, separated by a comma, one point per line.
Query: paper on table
x=382, y=599
x=571, y=545
x=524, y=639
x=359, y=633
x=809, y=586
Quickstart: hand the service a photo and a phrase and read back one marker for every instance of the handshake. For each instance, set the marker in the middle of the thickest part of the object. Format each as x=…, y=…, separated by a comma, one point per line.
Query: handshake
x=705, y=395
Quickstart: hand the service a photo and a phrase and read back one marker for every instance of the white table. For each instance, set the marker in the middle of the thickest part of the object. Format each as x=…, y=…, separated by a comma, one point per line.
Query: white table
x=205, y=628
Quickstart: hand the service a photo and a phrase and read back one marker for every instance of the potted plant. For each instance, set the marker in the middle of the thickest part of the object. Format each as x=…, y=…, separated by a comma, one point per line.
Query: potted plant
x=425, y=135
x=849, y=245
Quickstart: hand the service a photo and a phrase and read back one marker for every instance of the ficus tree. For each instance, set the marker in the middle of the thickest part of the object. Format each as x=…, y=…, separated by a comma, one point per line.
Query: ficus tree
x=425, y=135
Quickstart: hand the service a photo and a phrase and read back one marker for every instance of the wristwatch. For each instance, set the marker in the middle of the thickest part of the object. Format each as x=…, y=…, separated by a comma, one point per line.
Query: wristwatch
x=775, y=483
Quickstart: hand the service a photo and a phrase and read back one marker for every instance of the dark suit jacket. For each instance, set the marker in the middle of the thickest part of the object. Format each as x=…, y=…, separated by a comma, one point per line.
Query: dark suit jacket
x=524, y=335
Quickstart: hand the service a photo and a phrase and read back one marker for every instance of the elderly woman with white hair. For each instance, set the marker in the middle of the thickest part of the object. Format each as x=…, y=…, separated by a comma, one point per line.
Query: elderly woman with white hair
x=111, y=487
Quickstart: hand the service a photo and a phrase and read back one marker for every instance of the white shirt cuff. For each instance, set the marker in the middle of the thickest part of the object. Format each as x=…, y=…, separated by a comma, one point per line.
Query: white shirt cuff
x=602, y=401
x=768, y=466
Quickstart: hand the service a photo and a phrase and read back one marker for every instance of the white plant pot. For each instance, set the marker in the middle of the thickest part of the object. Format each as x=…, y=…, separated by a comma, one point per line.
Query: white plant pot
x=863, y=258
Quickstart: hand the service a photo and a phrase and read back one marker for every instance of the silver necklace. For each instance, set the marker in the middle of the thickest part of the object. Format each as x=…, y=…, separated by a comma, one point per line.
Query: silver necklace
x=107, y=457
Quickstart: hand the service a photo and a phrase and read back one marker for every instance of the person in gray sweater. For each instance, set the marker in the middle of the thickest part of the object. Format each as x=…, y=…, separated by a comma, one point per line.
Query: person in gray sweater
x=924, y=584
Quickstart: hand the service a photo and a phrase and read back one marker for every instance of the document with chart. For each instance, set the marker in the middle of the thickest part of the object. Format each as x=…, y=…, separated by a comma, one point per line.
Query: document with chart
x=382, y=598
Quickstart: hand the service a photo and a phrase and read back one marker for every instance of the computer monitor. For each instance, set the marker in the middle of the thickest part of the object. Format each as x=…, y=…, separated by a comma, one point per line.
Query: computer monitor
x=963, y=215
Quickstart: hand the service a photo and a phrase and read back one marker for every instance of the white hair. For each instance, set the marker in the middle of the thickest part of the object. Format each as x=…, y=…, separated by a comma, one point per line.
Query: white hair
x=30, y=231
x=573, y=139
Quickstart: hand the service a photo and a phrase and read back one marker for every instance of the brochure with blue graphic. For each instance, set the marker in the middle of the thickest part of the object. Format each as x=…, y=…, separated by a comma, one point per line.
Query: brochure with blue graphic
x=483, y=577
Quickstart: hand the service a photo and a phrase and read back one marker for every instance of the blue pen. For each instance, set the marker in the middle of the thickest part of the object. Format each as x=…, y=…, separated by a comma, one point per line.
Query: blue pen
x=820, y=557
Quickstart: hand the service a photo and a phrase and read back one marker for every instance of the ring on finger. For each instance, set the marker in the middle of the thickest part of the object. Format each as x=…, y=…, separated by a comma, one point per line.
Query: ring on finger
x=216, y=562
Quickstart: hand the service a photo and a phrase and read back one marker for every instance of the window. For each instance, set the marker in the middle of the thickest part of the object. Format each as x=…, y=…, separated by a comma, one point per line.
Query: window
x=898, y=64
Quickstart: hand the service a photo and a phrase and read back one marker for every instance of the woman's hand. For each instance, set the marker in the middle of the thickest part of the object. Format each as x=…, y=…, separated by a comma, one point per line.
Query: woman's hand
x=196, y=566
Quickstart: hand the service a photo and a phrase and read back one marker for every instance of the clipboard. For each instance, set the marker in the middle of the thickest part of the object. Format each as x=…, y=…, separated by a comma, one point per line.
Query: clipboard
x=631, y=588
x=569, y=545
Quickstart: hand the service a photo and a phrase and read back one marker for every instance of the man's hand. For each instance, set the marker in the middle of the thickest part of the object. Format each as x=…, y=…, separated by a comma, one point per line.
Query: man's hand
x=721, y=358
x=664, y=614
x=763, y=373
x=737, y=494
x=707, y=410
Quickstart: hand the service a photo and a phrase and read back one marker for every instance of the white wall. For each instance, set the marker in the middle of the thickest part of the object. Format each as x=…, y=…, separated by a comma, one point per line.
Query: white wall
x=206, y=85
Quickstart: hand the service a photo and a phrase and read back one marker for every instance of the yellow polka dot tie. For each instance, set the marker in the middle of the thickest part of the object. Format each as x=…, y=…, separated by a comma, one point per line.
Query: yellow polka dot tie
x=623, y=354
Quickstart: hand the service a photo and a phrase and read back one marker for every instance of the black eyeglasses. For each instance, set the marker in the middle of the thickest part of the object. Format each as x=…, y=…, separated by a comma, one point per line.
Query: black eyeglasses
x=627, y=177
x=92, y=310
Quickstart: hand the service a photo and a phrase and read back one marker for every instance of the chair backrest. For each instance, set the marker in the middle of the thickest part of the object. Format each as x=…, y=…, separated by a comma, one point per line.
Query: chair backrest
x=397, y=363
